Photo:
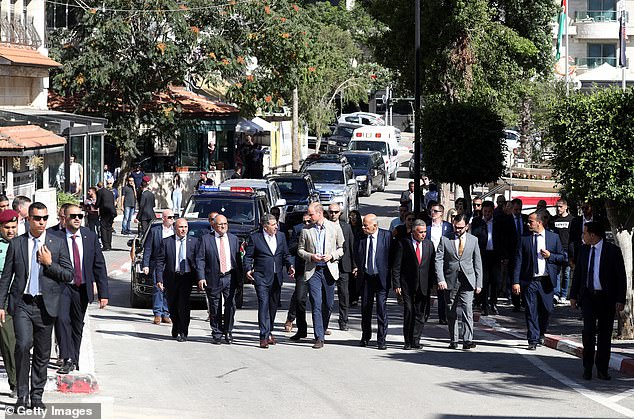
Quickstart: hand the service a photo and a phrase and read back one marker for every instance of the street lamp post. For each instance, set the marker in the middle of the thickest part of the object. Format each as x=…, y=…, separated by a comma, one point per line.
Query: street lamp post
x=417, y=131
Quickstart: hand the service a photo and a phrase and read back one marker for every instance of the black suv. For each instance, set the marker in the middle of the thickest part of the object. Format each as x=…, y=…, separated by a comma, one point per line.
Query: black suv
x=299, y=192
x=369, y=170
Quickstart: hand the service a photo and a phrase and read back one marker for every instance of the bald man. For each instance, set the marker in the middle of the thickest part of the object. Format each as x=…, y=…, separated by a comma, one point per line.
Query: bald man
x=373, y=269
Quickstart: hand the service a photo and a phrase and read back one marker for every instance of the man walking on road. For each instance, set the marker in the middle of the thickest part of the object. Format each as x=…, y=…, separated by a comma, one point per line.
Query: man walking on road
x=346, y=265
x=128, y=201
x=459, y=272
x=222, y=266
x=599, y=286
x=146, y=208
x=535, y=275
x=150, y=255
x=107, y=213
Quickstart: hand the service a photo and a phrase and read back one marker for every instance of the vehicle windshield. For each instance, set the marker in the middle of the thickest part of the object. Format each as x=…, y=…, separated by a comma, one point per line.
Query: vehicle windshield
x=358, y=162
x=327, y=176
x=344, y=131
x=292, y=188
x=369, y=146
x=237, y=211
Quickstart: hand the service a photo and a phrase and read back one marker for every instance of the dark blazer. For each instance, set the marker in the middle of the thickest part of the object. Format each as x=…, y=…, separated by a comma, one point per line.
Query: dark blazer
x=346, y=263
x=210, y=260
x=93, y=265
x=16, y=271
x=524, y=269
x=261, y=261
x=611, y=273
x=447, y=230
x=166, y=259
x=575, y=233
x=105, y=202
x=382, y=257
x=152, y=247
x=407, y=273
x=146, y=206
x=500, y=239
x=293, y=244
x=55, y=229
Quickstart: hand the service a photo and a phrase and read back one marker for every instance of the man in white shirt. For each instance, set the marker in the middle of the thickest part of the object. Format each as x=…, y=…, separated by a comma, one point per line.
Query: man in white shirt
x=76, y=177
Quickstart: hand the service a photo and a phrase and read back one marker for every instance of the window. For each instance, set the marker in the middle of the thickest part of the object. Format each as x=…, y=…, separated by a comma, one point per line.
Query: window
x=601, y=53
x=596, y=5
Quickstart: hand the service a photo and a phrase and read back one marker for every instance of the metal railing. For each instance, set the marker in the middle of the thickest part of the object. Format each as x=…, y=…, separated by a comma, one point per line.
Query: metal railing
x=597, y=16
x=593, y=62
x=14, y=29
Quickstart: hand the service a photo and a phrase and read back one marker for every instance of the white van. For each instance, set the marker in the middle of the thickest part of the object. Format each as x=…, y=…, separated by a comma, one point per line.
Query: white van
x=383, y=139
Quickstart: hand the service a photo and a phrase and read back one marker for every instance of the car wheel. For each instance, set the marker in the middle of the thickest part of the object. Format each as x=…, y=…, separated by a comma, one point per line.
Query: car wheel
x=394, y=174
x=135, y=300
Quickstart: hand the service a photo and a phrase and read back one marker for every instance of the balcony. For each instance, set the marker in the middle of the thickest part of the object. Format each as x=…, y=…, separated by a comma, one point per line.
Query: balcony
x=596, y=16
x=597, y=24
x=593, y=62
x=17, y=31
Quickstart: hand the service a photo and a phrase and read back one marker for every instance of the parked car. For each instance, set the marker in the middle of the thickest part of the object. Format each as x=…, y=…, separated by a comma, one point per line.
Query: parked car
x=299, y=191
x=381, y=139
x=321, y=158
x=268, y=186
x=369, y=170
x=141, y=285
x=341, y=136
x=336, y=183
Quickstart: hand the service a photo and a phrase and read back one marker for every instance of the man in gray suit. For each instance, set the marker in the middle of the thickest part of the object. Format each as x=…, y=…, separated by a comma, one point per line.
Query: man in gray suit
x=459, y=271
x=321, y=247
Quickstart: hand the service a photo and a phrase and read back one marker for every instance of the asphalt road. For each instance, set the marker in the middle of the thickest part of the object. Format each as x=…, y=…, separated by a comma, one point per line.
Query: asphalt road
x=142, y=372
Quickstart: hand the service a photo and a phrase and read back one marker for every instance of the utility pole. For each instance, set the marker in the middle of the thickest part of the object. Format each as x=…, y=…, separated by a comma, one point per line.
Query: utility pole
x=296, y=144
x=417, y=140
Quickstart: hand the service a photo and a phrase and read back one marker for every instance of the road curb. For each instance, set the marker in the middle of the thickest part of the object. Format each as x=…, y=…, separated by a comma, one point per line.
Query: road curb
x=618, y=362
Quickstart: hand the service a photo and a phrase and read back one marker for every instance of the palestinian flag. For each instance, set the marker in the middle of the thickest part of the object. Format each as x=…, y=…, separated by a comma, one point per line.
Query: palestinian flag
x=562, y=26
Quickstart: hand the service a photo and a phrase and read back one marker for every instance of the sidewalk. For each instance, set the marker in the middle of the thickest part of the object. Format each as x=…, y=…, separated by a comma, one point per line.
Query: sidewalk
x=564, y=333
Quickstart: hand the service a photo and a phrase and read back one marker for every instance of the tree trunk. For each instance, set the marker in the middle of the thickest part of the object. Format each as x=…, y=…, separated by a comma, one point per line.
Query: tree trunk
x=445, y=195
x=296, y=144
x=318, y=142
x=621, y=219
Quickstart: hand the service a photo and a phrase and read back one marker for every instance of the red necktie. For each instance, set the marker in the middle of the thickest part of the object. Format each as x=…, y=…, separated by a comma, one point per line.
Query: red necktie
x=419, y=255
x=76, y=261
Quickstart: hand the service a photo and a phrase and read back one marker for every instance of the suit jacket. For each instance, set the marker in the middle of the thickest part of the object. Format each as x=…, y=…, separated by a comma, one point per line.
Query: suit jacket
x=611, y=273
x=293, y=246
x=500, y=239
x=447, y=229
x=152, y=247
x=166, y=259
x=333, y=247
x=17, y=269
x=263, y=262
x=210, y=259
x=575, y=233
x=55, y=229
x=524, y=265
x=407, y=274
x=449, y=266
x=381, y=259
x=146, y=206
x=93, y=263
x=105, y=202
x=346, y=263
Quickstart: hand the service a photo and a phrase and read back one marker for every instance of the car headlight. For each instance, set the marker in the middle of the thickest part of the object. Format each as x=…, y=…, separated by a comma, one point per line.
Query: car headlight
x=302, y=208
x=362, y=178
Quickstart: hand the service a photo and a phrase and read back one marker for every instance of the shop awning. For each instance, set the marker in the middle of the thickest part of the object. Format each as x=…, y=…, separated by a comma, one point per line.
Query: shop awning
x=25, y=56
x=254, y=125
x=26, y=139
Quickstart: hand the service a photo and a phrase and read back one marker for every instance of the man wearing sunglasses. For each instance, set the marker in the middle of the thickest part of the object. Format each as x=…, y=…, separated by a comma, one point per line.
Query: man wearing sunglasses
x=89, y=267
x=150, y=253
x=36, y=266
x=346, y=265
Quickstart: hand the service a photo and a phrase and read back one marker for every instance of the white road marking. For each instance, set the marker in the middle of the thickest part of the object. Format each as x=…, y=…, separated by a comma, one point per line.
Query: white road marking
x=621, y=396
x=596, y=397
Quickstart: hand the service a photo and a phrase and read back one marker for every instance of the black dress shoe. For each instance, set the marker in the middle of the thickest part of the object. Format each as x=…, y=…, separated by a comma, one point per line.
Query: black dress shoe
x=66, y=367
x=297, y=336
x=494, y=310
x=38, y=404
x=229, y=338
x=604, y=376
x=416, y=346
x=453, y=345
x=468, y=345
x=382, y=346
x=14, y=393
x=216, y=341
x=180, y=338
x=532, y=347
x=22, y=402
x=363, y=343
x=485, y=311
x=442, y=321
x=587, y=374
x=344, y=327
x=407, y=347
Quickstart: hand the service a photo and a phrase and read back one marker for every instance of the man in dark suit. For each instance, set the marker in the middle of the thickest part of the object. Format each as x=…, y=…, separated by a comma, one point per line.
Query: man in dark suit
x=107, y=213
x=151, y=250
x=535, y=275
x=346, y=265
x=177, y=267
x=266, y=255
x=89, y=267
x=373, y=267
x=35, y=266
x=516, y=226
x=412, y=274
x=493, y=250
x=459, y=273
x=575, y=239
x=146, y=208
x=222, y=265
x=297, y=306
x=61, y=215
x=437, y=229
x=599, y=286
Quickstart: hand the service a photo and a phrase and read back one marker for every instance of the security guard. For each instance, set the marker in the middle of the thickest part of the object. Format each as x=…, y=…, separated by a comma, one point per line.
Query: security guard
x=8, y=230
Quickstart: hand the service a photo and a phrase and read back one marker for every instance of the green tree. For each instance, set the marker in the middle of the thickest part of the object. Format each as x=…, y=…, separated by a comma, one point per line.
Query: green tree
x=462, y=144
x=592, y=137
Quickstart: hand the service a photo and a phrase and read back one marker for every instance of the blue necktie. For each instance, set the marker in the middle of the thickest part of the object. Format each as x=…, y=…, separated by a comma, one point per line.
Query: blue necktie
x=34, y=277
x=370, y=258
x=535, y=258
x=182, y=266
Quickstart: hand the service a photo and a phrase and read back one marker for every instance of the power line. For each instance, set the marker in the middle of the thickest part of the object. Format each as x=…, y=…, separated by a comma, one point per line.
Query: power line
x=183, y=8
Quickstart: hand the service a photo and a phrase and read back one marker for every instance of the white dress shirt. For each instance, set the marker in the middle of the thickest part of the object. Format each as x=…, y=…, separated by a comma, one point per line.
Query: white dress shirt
x=21, y=227
x=227, y=250
x=436, y=234
x=40, y=243
x=597, y=260
x=178, y=253
x=374, y=235
x=80, y=246
x=271, y=241
x=167, y=232
x=541, y=245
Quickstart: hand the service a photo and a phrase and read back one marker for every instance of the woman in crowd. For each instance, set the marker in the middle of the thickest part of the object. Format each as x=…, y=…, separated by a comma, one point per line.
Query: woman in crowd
x=177, y=194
